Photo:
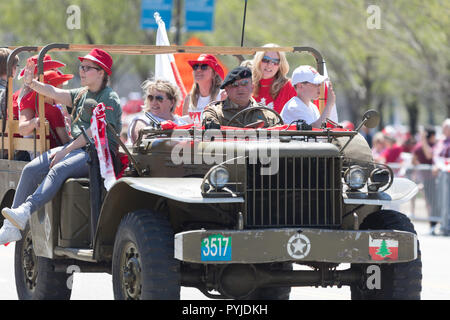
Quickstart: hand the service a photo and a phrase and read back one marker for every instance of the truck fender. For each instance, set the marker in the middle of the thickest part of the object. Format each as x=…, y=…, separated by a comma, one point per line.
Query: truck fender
x=401, y=190
x=131, y=194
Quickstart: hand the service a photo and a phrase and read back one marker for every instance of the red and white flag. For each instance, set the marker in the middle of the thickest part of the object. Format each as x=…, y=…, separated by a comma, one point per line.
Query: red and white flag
x=165, y=66
x=98, y=129
x=383, y=249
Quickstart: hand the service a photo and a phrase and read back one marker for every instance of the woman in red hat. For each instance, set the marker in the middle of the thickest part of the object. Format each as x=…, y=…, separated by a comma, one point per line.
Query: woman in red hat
x=28, y=120
x=271, y=86
x=208, y=76
x=42, y=178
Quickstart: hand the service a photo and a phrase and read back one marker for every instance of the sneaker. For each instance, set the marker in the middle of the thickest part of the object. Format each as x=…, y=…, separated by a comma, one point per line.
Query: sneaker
x=9, y=234
x=18, y=216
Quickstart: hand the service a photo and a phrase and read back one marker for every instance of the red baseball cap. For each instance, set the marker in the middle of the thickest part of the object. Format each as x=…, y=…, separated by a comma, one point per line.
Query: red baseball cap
x=211, y=61
x=49, y=64
x=101, y=58
x=55, y=78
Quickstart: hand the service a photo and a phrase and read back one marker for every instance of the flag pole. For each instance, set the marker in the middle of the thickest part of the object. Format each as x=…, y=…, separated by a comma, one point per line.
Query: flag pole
x=243, y=24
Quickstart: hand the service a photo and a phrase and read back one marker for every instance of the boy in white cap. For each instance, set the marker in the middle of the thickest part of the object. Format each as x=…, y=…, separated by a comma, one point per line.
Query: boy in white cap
x=306, y=81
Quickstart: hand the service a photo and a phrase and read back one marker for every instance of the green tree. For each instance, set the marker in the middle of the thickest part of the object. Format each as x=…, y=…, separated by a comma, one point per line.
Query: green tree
x=384, y=250
x=39, y=22
x=402, y=66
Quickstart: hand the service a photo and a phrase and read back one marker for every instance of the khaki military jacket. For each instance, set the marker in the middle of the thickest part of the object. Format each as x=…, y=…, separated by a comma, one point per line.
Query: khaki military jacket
x=221, y=112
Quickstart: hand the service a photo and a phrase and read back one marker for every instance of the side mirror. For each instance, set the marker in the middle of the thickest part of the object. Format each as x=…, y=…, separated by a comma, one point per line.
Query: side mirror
x=371, y=118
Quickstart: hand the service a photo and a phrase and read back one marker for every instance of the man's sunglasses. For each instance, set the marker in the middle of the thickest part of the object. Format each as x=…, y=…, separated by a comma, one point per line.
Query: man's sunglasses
x=267, y=59
x=241, y=83
x=201, y=66
x=87, y=68
x=157, y=98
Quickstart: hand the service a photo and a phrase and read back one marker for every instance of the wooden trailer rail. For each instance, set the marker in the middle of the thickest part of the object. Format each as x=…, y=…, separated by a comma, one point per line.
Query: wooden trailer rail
x=10, y=127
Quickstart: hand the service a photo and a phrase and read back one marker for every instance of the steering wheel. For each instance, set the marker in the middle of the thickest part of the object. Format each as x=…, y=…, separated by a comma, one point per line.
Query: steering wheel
x=250, y=110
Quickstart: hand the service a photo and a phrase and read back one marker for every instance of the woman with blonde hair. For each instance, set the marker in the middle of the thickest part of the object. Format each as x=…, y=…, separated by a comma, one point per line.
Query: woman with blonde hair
x=208, y=76
x=271, y=86
x=161, y=99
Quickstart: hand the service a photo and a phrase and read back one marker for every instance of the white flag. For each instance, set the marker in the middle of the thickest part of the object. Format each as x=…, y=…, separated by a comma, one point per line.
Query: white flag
x=165, y=67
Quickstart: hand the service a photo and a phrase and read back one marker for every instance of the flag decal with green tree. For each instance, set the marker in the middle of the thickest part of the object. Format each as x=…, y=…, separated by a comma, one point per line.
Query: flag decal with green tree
x=383, y=249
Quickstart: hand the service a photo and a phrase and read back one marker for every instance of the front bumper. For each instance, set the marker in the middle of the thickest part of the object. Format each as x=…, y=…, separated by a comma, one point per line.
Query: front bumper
x=295, y=245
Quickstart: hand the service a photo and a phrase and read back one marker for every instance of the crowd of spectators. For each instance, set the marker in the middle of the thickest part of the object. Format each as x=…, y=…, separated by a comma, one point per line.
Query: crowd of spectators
x=430, y=146
x=424, y=158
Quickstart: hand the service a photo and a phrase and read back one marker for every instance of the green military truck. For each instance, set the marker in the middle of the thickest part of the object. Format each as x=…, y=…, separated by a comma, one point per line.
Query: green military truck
x=228, y=211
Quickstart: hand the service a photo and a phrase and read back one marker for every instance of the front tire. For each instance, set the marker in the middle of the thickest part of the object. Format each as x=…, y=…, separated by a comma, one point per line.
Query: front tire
x=143, y=264
x=400, y=281
x=35, y=278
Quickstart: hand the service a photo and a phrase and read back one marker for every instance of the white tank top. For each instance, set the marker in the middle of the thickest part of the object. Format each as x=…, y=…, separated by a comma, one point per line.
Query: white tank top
x=196, y=114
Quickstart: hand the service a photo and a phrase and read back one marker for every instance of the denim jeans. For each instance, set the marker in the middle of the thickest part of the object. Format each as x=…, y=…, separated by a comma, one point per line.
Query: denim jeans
x=38, y=183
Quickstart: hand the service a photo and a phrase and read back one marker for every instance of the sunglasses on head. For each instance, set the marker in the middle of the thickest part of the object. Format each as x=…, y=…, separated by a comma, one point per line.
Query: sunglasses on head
x=267, y=59
x=157, y=98
x=201, y=66
x=241, y=83
x=87, y=68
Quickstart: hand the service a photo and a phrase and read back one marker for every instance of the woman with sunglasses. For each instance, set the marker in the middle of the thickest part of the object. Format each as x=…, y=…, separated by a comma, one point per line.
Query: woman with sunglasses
x=42, y=178
x=162, y=97
x=271, y=88
x=208, y=76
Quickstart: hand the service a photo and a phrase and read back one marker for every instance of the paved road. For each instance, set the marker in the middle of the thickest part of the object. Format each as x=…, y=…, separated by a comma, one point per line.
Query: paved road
x=436, y=276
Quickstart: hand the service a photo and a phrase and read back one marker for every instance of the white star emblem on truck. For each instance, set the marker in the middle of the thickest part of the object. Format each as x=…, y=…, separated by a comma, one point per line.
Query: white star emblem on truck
x=298, y=246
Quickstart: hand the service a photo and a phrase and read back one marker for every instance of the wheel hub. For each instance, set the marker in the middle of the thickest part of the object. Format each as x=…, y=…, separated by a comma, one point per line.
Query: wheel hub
x=29, y=264
x=131, y=273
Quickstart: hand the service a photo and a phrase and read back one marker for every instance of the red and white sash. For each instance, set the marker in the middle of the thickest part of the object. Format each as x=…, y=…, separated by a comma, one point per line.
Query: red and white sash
x=98, y=129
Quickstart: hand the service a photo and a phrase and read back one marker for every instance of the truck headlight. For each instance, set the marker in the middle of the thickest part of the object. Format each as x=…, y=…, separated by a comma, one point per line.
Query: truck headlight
x=218, y=177
x=355, y=177
x=379, y=178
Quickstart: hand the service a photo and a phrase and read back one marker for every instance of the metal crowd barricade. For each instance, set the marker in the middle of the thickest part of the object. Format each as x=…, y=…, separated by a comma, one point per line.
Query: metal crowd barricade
x=443, y=195
x=432, y=203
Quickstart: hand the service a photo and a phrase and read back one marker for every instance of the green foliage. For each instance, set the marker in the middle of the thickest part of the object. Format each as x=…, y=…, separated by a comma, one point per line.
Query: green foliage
x=405, y=61
x=407, y=58
x=39, y=22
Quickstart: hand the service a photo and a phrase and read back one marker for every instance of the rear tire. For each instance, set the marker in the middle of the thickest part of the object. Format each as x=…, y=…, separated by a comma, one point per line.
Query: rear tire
x=35, y=278
x=143, y=264
x=398, y=280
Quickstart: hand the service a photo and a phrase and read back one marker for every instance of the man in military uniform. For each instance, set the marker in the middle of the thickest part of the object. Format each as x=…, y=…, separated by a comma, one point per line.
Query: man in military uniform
x=239, y=87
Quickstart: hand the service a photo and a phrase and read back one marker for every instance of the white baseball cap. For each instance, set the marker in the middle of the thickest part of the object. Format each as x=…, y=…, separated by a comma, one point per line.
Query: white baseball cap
x=307, y=74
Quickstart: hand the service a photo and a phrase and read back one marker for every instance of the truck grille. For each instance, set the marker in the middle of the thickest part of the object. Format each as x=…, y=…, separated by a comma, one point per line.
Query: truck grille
x=304, y=192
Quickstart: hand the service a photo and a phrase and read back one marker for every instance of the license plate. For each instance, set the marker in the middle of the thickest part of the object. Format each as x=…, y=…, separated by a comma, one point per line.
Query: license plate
x=216, y=248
